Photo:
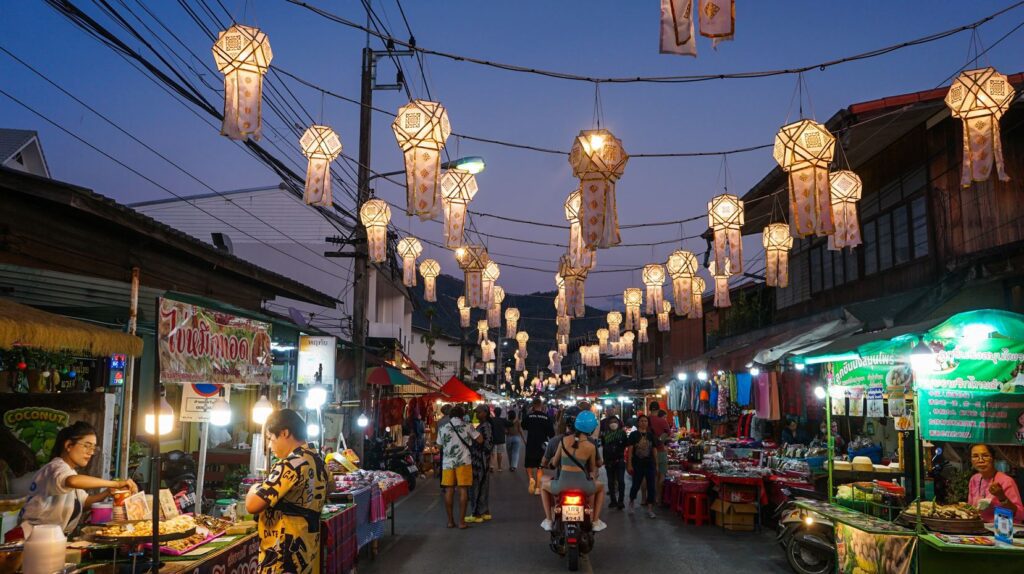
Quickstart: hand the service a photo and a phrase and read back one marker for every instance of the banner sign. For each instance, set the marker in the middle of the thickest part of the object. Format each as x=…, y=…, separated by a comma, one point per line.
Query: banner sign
x=197, y=400
x=316, y=360
x=859, y=551
x=876, y=405
x=972, y=416
x=199, y=345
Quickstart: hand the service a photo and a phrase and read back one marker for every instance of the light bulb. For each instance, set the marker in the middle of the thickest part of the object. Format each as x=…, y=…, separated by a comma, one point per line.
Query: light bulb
x=312, y=430
x=702, y=375
x=607, y=401
x=362, y=421
x=460, y=253
x=819, y=392
x=754, y=371
x=316, y=396
x=261, y=410
x=165, y=416
x=220, y=413
x=800, y=366
x=922, y=359
x=667, y=388
x=596, y=142
x=681, y=377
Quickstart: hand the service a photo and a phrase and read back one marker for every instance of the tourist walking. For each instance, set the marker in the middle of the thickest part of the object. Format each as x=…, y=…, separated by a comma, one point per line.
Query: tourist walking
x=441, y=422
x=455, y=438
x=613, y=447
x=500, y=427
x=640, y=462
x=661, y=427
x=480, y=491
x=514, y=440
x=539, y=429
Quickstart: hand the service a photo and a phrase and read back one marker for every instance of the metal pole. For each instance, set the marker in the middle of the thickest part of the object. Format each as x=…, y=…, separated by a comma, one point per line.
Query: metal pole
x=127, y=390
x=204, y=444
x=154, y=471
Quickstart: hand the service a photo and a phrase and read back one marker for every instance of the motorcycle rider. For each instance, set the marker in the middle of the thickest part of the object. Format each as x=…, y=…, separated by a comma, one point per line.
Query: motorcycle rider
x=575, y=458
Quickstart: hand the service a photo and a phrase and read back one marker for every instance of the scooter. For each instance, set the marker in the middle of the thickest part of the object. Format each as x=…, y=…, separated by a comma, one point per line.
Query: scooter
x=572, y=531
x=807, y=538
x=382, y=456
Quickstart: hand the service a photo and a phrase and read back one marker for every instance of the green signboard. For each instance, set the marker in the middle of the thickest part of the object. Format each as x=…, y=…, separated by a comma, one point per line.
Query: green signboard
x=991, y=417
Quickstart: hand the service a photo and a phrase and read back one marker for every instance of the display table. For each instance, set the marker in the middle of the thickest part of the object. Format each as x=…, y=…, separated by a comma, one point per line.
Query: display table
x=724, y=482
x=338, y=541
x=935, y=555
x=891, y=547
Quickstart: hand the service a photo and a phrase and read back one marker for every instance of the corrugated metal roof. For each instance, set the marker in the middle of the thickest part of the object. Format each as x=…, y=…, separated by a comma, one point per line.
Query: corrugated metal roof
x=13, y=141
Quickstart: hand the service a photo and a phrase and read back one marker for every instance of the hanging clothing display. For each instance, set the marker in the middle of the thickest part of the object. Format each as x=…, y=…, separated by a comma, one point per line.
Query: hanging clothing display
x=763, y=396
x=776, y=411
x=743, y=383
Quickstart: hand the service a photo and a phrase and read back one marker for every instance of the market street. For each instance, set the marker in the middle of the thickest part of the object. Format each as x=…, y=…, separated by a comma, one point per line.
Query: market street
x=514, y=542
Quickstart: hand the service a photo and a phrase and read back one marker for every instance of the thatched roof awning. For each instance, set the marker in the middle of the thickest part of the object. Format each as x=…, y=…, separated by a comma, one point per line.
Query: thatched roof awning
x=25, y=326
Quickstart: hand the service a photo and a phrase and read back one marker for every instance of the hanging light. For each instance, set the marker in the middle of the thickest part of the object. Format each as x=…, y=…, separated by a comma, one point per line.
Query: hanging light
x=979, y=98
x=321, y=146
x=681, y=376
x=220, y=411
x=614, y=321
x=800, y=366
x=681, y=267
x=375, y=215
x=473, y=261
x=602, y=341
x=922, y=359
x=463, y=312
x=628, y=338
x=243, y=55
x=521, y=338
x=641, y=331
x=598, y=160
x=804, y=149
x=721, y=276
x=563, y=344
x=560, y=309
x=511, y=321
x=777, y=242
x=632, y=297
x=312, y=430
x=754, y=371
x=494, y=311
x=819, y=392
x=165, y=416
x=409, y=248
x=362, y=421
x=487, y=350
x=555, y=362
x=316, y=397
x=702, y=375
x=481, y=331
x=262, y=409
x=697, y=305
x=654, y=278
x=575, y=278
x=846, y=190
x=725, y=217
x=422, y=128
x=664, y=318
x=489, y=275
x=579, y=254
x=430, y=269
x=458, y=188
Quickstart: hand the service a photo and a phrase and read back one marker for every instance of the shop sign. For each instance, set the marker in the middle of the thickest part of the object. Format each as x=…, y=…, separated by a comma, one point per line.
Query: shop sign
x=200, y=345
x=859, y=551
x=37, y=428
x=876, y=404
x=197, y=400
x=316, y=360
x=972, y=416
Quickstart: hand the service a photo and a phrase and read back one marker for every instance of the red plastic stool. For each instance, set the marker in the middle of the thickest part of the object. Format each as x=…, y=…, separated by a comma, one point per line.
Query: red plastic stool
x=695, y=508
x=678, y=505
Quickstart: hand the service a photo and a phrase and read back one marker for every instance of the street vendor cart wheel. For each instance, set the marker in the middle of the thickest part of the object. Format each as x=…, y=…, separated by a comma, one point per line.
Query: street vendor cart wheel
x=809, y=559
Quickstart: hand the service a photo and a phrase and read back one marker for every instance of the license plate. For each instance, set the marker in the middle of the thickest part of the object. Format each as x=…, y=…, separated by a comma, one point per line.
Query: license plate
x=413, y=468
x=573, y=513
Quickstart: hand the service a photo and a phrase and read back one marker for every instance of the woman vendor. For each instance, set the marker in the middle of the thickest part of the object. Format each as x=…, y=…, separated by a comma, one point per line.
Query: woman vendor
x=992, y=486
x=58, y=493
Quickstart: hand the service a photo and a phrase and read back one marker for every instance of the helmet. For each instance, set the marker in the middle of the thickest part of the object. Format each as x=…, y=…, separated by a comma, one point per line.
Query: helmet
x=586, y=422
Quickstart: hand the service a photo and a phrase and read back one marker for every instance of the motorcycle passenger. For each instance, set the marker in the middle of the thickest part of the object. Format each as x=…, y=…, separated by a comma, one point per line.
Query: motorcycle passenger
x=576, y=461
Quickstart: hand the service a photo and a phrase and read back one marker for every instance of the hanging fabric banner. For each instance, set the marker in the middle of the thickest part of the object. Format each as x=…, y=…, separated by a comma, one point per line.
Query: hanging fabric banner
x=717, y=20
x=677, y=28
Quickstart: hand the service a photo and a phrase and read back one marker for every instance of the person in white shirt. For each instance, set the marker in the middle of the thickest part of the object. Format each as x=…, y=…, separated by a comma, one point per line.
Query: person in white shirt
x=455, y=438
x=58, y=493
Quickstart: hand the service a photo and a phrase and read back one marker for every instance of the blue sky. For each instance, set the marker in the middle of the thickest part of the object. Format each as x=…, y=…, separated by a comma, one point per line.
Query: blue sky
x=599, y=37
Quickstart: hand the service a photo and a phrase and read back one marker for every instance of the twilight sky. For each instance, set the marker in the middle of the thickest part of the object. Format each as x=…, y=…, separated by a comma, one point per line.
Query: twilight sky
x=599, y=37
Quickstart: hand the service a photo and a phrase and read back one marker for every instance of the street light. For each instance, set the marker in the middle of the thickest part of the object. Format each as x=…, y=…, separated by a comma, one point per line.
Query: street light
x=474, y=164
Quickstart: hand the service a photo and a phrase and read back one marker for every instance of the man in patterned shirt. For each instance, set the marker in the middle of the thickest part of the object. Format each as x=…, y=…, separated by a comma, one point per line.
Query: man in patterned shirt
x=289, y=501
x=455, y=438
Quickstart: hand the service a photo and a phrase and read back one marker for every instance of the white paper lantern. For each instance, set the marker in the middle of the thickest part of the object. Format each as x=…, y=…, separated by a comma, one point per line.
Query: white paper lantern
x=598, y=160
x=321, y=146
x=642, y=331
x=409, y=248
x=602, y=340
x=777, y=242
x=243, y=55
x=563, y=325
x=579, y=254
x=422, y=128
x=494, y=311
x=632, y=297
x=846, y=190
x=555, y=362
x=654, y=278
x=979, y=98
x=681, y=267
x=520, y=361
x=481, y=330
x=490, y=274
x=511, y=321
x=804, y=149
x=574, y=278
x=721, y=277
x=628, y=339
x=464, y=312
x=430, y=269
x=473, y=260
x=375, y=215
x=487, y=350
x=563, y=344
x=614, y=322
x=697, y=305
x=522, y=337
x=664, y=319
x=725, y=215
x=717, y=20
x=458, y=188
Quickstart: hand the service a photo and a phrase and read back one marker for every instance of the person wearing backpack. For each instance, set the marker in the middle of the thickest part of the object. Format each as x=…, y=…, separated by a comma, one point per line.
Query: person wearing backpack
x=455, y=438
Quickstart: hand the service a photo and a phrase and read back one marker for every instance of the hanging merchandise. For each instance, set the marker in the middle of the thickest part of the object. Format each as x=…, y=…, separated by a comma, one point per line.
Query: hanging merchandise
x=375, y=215
x=243, y=55
x=560, y=309
x=721, y=284
x=654, y=279
x=579, y=254
x=804, y=150
x=614, y=321
x=725, y=217
x=473, y=260
x=494, y=311
x=641, y=331
x=575, y=278
x=490, y=274
x=487, y=350
x=717, y=20
x=458, y=188
x=979, y=98
x=697, y=305
x=464, y=310
x=409, y=248
x=677, y=35
x=511, y=321
x=321, y=146
x=430, y=269
x=664, y=319
x=598, y=160
x=422, y=128
x=777, y=242
x=846, y=189
x=632, y=297
x=681, y=267
x=602, y=341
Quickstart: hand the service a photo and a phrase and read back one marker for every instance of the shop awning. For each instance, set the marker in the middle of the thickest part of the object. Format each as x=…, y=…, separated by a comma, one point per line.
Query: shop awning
x=385, y=376
x=25, y=326
x=458, y=392
x=809, y=340
x=846, y=345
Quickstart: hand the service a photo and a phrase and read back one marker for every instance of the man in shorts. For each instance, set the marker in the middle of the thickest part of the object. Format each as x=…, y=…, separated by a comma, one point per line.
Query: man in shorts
x=661, y=428
x=454, y=439
x=500, y=426
x=539, y=429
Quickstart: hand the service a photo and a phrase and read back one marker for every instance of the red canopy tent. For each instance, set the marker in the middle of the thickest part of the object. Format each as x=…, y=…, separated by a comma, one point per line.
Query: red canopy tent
x=458, y=392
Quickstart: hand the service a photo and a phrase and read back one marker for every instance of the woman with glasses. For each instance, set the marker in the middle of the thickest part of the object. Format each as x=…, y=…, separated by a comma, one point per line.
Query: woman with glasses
x=58, y=493
x=990, y=488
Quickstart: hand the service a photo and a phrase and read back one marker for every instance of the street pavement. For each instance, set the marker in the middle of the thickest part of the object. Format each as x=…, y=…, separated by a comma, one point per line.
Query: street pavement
x=514, y=542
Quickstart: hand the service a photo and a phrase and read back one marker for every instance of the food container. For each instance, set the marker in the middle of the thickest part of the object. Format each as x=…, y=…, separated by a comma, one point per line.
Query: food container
x=841, y=465
x=102, y=513
x=862, y=464
x=120, y=496
x=44, y=550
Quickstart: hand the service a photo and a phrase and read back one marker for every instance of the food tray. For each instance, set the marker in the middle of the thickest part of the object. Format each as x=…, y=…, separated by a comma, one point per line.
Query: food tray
x=91, y=534
x=173, y=552
x=945, y=525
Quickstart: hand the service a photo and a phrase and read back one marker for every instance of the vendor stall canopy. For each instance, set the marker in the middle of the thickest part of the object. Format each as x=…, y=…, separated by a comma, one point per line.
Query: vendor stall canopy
x=29, y=327
x=385, y=376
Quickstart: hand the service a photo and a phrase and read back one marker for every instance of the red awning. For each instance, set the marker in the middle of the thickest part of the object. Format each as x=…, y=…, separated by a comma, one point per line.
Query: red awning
x=458, y=392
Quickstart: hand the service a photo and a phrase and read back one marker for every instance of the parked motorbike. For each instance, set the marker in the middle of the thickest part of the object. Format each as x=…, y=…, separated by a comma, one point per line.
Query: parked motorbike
x=381, y=454
x=807, y=537
x=178, y=472
x=572, y=532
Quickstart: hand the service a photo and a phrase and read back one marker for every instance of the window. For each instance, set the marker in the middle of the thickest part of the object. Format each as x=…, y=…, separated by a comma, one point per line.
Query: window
x=919, y=226
x=870, y=248
x=890, y=195
x=884, y=223
x=837, y=265
x=816, y=270
x=900, y=235
x=851, y=264
x=826, y=268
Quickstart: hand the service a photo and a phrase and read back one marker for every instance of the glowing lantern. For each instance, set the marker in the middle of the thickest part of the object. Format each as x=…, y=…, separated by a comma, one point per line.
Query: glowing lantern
x=979, y=98
x=555, y=362
x=490, y=274
x=654, y=278
x=458, y=188
x=560, y=309
x=321, y=146
x=463, y=312
x=632, y=297
x=521, y=338
x=520, y=361
x=681, y=267
x=725, y=215
x=614, y=321
x=598, y=160
x=664, y=321
x=375, y=215
x=846, y=189
x=717, y=20
x=243, y=55
x=430, y=269
x=487, y=350
x=602, y=340
x=511, y=321
x=804, y=150
x=563, y=344
x=697, y=305
x=579, y=254
x=628, y=338
x=473, y=260
x=721, y=276
x=422, y=128
x=409, y=249
x=494, y=311
x=481, y=330
x=564, y=324
x=641, y=331
x=575, y=278
x=777, y=242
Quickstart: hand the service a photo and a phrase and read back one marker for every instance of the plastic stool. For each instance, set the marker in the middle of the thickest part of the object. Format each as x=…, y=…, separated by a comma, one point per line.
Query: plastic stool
x=695, y=508
x=678, y=505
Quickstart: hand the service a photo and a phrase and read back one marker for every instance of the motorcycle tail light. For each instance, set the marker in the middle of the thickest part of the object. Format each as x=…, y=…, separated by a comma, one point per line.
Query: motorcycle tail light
x=572, y=541
x=572, y=499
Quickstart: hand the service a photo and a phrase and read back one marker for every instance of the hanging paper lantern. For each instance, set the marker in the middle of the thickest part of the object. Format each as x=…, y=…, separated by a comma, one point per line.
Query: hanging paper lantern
x=804, y=150
x=632, y=297
x=777, y=242
x=664, y=320
x=521, y=338
x=677, y=35
x=614, y=321
x=721, y=276
x=430, y=269
x=717, y=20
x=458, y=188
x=554, y=362
x=563, y=344
x=473, y=260
x=628, y=338
x=681, y=267
x=520, y=361
x=487, y=350
x=422, y=129
x=563, y=324
x=725, y=215
x=654, y=279
x=846, y=189
x=511, y=321
x=490, y=274
x=697, y=305
x=642, y=331
x=409, y=248
x=481, y=330
x=560, y=309
x=464, y=310
x=574, y=278
x=321, y=146
x=494, y=311
x=598, y=160
x=243, y=55
x=579, y=254
x=375, y=215
x=979, y=98
x=602, y=341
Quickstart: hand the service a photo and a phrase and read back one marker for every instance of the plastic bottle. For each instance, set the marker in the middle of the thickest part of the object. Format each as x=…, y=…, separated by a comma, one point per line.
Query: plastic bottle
x=44, y=550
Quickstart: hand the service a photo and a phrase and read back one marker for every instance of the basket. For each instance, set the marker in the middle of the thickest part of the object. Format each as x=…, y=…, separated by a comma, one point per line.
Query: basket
x=945, y=525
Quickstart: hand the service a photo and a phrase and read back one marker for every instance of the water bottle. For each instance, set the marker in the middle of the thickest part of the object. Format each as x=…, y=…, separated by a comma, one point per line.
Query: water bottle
x=44, y=550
